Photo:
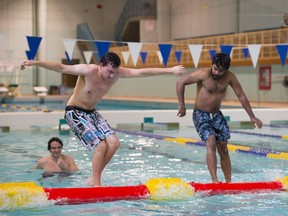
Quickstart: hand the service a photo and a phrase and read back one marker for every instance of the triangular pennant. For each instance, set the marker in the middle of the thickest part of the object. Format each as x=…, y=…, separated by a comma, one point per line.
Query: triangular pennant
x=245, y=52
x=195, y=50
x=212, y=53
x=254, y=51
x=103, y=47
x=135, y=49
x=87, y=56
x=178, y=54
x=143, y=56
x=282, y=52
x=165, y=50
x=69, y=47
x=68, y=58
x=126, y=55
x=226, y=49
x=33, y=43
x=159, y=57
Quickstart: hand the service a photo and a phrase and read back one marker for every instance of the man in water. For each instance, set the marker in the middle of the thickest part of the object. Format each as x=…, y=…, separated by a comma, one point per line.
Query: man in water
x=94, y=81
x=56, y=162
x=207, y=117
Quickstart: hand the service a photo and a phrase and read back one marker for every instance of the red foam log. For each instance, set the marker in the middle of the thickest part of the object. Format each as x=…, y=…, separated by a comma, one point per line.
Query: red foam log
x=96, y=194
x=236, y=187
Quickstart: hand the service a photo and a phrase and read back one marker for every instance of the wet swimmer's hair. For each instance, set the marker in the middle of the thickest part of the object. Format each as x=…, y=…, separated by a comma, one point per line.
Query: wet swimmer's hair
x=221, y=60
x=54, y=139
x=110, y=58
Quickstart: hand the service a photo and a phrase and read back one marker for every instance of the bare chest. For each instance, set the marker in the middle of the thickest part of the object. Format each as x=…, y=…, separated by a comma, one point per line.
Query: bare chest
x=215, y=86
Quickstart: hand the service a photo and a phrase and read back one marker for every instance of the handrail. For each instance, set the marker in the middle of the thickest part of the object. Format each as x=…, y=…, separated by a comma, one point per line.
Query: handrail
x=268, y=54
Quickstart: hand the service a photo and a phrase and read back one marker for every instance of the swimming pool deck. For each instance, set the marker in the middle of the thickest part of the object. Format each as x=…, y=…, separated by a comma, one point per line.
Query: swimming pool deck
x=267, y=112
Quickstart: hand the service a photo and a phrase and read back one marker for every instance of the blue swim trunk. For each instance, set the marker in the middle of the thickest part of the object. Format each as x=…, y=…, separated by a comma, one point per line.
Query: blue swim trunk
x=208, y=124
x=88, y=125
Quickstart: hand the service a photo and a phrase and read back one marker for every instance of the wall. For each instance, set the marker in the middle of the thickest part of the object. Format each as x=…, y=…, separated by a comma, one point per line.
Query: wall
x=176, y=19
x=201, y=18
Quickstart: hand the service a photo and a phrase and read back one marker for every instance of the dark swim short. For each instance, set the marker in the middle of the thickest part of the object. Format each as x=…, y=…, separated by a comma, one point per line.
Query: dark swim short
x=88, y=125
x=208, y=124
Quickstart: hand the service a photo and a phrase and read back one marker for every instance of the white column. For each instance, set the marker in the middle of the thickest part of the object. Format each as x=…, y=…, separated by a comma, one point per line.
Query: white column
x=41, y=26
x=164, y=20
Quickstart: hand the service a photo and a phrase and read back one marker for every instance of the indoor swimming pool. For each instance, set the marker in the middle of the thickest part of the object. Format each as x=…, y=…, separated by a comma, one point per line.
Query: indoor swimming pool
x=141, y=158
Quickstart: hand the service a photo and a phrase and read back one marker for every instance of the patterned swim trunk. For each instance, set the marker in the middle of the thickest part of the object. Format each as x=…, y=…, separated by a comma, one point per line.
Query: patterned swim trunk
x=88, y=125
x=208, y=124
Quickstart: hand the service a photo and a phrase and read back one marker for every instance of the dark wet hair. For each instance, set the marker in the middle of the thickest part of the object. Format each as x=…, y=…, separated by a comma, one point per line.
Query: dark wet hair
x=54, y=139
x=221, y=59
x=112, y=59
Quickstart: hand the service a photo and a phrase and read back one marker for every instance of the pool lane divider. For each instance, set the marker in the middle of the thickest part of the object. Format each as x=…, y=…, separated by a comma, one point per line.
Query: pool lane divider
x=284, y=137
x=23, y=108
x=29, y=194
x=269, y=153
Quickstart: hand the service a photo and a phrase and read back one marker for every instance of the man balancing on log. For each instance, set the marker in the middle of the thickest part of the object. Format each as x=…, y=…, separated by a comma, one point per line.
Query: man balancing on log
x=94, y=81
x=207, y=117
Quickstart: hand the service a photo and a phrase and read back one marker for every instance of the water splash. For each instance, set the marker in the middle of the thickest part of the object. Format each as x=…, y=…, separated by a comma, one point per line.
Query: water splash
x=14, y=195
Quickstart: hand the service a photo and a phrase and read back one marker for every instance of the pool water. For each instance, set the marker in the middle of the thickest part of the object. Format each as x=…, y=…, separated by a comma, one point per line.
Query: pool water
x=43, y=104
x=140, y=159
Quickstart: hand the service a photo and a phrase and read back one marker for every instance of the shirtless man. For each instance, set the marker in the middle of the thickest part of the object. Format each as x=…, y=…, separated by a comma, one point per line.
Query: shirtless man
x=207, y=117
x=56, y=162
x=94, y=81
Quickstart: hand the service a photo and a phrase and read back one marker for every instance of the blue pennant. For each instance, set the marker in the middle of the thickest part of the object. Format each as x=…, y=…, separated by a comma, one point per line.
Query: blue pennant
x=103, y=47
x=178, y=54
x=33, y=43
x=68, y=59
x=245, y=52
x=143, y=56
x=165, y=50
x=282, y=52
x=226, y=49
x=212, y=53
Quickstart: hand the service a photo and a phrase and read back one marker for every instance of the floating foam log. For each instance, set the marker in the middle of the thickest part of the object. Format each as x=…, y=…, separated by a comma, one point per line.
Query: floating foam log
x=19, y=194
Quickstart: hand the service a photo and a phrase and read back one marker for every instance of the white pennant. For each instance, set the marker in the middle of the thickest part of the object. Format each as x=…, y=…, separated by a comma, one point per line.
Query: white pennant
x=254, y=51
x=69, y=47
x=195, y=50
x=87, y=56
x=135, y=49
x=125, y=55
x=160, y=57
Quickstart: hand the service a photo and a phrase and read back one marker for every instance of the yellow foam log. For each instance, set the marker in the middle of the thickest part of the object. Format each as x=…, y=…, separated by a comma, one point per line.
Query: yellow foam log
x=169, y=189
x=284, y=182
x=17, y=194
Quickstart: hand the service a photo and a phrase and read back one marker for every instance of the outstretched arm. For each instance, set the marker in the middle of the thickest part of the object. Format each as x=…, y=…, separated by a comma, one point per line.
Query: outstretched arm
x=134, y=72
x=79, y=69
x=190, y=78
x=237, y=88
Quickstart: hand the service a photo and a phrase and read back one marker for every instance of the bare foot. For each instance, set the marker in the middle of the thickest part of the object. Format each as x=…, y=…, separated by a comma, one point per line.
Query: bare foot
x=90, y=182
